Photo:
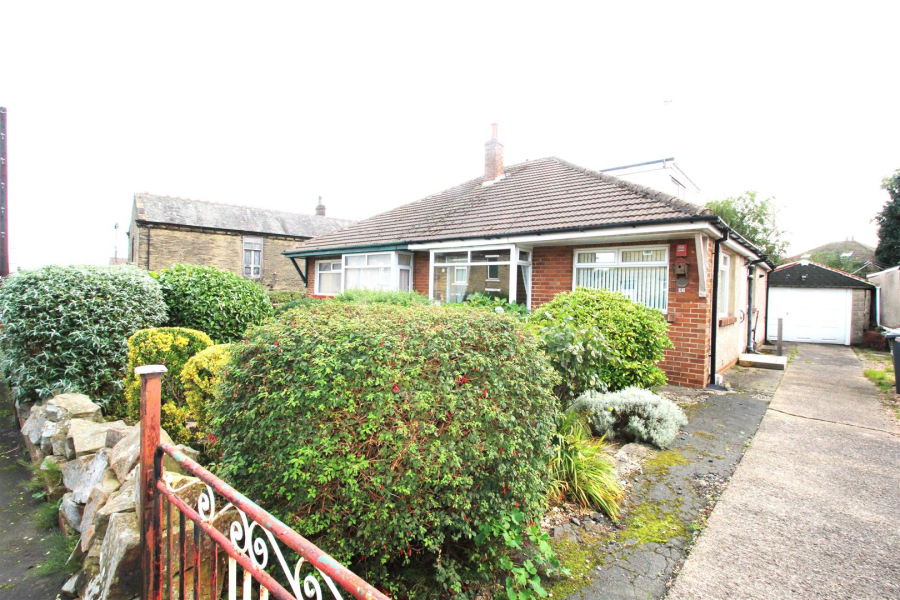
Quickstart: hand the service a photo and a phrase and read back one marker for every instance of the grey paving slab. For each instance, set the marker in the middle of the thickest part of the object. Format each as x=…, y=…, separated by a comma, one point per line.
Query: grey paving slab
x=813, y=510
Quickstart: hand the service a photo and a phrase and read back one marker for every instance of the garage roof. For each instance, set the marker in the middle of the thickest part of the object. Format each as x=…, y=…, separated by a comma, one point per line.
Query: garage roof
x=805, y=274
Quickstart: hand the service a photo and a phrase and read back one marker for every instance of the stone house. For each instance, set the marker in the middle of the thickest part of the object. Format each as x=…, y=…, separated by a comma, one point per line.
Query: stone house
x=529, y=231
x=248, y=241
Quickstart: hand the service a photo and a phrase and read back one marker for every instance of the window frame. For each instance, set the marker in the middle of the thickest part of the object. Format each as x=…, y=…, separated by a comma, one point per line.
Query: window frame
x=332, y=261
x=394, y=265
x=262, y=246
x=514, y=262
x=619, y=263
x=724, y=257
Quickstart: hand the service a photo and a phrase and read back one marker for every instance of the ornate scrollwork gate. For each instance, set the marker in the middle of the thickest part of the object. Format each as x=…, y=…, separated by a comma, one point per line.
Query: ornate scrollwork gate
x=189, y=567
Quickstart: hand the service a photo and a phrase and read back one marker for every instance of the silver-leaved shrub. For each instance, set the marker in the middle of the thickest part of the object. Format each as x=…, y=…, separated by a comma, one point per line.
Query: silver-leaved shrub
x=632, y=414
x=67, y=328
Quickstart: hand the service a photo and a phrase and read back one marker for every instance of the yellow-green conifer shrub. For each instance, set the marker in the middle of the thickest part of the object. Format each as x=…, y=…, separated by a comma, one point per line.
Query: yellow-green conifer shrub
x=200, y=379
x=171, y=347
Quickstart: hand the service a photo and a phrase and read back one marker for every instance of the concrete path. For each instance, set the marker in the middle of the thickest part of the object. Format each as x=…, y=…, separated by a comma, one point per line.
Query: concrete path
x=813, y=510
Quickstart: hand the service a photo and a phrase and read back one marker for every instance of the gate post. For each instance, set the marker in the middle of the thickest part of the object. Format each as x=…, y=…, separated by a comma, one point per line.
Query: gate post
x=150, y=473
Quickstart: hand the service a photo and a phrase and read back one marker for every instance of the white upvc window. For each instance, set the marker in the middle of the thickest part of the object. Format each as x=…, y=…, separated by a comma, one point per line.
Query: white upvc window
x=253, y=250
x=496, y=271
x=328, y=277
x=369, y=271
x=724, y=297
x=639, y=273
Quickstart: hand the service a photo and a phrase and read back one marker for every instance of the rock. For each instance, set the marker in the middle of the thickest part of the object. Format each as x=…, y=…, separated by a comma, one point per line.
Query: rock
x=53, y=437
x=119, y=575
x=115, y=434
x=630, y=458
x=96, y=473
x=188, y=451
x=127, y=452
x=73, y=471
x=23, y=408
x=118, y=501
x=52, y=477
x=33, y=427
x=87, y=437
x=65, y=407
x=70, y=512
x=564, y=532
x=575, y=522
x=69, y=588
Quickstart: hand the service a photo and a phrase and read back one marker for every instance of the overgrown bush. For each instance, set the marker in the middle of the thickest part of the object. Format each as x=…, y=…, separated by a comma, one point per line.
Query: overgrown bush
x=298, y=303
x=65, y=328
x=383, y=297
x=632, y=414
x=633, y=339
x=217, y=302
x=200, y=379
x=172, y=347
x=495, y=303
x=390, y=435
x=581, y=469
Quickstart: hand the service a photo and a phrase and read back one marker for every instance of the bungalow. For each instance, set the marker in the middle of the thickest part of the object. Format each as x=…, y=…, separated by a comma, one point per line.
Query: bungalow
x=529, y=231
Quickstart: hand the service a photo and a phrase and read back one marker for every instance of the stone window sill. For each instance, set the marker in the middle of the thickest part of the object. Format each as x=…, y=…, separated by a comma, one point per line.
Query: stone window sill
x=724, y=321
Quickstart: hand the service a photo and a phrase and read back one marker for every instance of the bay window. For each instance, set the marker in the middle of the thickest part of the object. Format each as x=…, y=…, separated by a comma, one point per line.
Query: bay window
x=640, y=274
x=372, y=271
x=503, y=272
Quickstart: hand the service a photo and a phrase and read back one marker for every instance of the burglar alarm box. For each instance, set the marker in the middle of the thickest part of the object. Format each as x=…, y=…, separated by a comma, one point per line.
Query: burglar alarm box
x=681, y=250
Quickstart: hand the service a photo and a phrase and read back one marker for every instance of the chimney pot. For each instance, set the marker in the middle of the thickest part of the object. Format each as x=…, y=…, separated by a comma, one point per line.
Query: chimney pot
x=493, y=157
x=320, y=209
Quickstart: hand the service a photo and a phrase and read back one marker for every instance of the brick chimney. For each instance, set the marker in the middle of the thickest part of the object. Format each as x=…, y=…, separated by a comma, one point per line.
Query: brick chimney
x=493, y=157
x=320, y=209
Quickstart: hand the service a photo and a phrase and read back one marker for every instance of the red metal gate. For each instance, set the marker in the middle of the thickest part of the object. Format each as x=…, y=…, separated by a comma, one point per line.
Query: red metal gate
x=192, y=562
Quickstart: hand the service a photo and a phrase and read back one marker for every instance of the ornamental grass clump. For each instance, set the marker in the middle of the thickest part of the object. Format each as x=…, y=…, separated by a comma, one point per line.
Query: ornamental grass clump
x=66, y=328
x=219, y=303
x=392, y=436
x=632, y=414
x=600, y=339
x=171, y=347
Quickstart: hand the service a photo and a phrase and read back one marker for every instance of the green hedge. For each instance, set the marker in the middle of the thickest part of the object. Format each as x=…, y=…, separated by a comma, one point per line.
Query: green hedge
x=389, y=435
x=217, y=302
x=66, y=328
x=600, y=339
x=200, y=379
x=172, y=347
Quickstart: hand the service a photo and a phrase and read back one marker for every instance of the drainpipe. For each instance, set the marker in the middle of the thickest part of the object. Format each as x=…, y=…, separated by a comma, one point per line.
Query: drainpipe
x=751, y=275
x=714, y=327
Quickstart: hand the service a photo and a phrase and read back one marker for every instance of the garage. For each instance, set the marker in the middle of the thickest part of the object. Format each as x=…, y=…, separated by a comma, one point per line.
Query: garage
x=818, y=304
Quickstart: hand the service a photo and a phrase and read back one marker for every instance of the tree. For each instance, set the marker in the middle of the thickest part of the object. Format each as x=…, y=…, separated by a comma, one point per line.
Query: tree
x=848, y=264
x=888, y=251
x=754, y=219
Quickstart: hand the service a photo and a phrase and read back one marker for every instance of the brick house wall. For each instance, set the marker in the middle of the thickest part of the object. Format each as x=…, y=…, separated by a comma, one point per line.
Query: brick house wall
x=421, y=272
x=159, y=248
x=687, y=363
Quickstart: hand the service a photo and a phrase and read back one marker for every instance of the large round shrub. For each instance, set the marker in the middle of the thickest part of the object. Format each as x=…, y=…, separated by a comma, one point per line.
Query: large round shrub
x=217, y=302
x=390, y=434
x=200, y=378
x=602, y=334
x=66, y=328
x=171, y=347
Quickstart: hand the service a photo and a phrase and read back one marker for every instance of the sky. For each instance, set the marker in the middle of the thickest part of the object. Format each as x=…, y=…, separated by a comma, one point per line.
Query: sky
x=373, y=105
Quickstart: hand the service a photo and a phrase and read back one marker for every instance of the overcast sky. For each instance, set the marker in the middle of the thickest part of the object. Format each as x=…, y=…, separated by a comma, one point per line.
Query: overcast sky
x=376, y=105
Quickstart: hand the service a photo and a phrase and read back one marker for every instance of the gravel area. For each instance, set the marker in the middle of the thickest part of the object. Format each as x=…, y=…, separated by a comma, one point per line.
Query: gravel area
x=672, y=493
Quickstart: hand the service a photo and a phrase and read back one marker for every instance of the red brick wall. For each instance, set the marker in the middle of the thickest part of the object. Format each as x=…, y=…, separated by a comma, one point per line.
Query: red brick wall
x=687, y=363
x=551, y=273
x=421, y=272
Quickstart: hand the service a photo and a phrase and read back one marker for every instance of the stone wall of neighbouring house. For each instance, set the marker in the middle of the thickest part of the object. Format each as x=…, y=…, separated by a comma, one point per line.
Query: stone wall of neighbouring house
x=859, y=319
x=223, y=250
x=91, y=466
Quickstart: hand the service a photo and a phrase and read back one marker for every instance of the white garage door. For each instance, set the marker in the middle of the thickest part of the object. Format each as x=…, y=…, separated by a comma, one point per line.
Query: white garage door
x=810, y=315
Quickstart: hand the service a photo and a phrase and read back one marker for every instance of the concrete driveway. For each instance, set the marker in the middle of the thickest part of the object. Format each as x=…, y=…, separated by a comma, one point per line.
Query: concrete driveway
x=813, y=510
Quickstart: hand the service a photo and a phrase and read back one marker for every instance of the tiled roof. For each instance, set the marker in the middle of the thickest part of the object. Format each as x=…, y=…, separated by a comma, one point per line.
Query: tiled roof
x=196, y=213
x=543, y=195
x=813, y=275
